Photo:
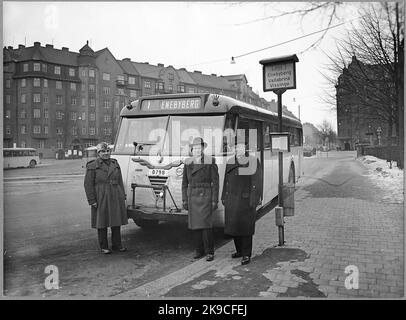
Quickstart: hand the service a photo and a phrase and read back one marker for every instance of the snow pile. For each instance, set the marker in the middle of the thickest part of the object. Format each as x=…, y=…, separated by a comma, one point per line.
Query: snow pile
x=389, y=180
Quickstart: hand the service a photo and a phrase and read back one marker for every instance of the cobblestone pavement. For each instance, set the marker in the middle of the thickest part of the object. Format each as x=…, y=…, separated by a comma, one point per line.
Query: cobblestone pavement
x=340, y=220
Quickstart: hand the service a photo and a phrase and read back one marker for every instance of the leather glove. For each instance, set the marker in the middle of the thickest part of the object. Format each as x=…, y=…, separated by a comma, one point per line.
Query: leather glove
x=94, y=205
x=214, y=206
x=185, y=205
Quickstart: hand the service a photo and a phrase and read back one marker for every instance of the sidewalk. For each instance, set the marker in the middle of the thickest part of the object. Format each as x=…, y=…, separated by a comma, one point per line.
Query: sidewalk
x=340, y=220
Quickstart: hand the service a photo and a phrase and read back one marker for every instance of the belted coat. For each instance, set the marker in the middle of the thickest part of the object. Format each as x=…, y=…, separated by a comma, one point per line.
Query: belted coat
x=104, y=186
x=242, y=192
x=200, y=188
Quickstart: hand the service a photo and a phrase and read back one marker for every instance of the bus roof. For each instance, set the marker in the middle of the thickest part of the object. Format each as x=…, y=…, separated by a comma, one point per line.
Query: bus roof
x=193, y=103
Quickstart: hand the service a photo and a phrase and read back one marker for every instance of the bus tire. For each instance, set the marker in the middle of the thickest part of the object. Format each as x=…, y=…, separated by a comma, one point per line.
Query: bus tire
x=146, y=224
x=32, y=164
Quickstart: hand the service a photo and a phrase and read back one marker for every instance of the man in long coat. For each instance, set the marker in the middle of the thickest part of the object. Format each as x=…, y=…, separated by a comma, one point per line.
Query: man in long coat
x=105, y=194
x=242, y=192
x=200, y=189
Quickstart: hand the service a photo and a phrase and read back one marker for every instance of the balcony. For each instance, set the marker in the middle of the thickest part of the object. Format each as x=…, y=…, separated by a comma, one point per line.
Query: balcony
x=121, y=83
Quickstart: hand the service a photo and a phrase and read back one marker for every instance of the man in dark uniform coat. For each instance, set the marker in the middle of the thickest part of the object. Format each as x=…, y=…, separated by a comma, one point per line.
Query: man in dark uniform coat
x=200, y=189
x=242, y=192
x=105, y=193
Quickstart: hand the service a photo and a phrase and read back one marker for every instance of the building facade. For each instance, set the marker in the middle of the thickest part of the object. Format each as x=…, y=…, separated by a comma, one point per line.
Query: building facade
x=58, y=99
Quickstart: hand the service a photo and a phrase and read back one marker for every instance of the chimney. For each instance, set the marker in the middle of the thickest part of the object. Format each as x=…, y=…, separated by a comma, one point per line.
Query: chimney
x=126, y=59
x=10, y=48
x=37, y=44
x=183, y=69
x=197, y=71
x=49, y=46
x=160, y=65
x=213, y=74
x=21, y=46
x=65, y=49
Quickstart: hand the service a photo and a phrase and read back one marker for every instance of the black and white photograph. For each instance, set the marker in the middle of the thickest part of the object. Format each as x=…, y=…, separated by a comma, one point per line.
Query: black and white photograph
x=224, y=151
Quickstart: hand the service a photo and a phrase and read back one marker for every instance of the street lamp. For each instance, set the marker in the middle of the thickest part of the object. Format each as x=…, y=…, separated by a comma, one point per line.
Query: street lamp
x=378, y=132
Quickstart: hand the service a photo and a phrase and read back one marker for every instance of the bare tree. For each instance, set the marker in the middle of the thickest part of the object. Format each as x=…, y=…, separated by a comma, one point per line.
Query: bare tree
x=327, y=133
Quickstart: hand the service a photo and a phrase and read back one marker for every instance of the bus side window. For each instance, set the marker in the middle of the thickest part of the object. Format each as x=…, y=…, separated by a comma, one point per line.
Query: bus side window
x=267, y=137
x=26, y=153
x=6, y=153
x=228, y=137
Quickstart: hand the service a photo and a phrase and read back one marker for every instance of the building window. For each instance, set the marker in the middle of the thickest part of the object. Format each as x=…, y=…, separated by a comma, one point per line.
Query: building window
x=107, y=118
x=83, y=72
x=8, y=114
x=191, y=90
x=106, y=104
x=83, y=86
x=106, y=90
x=37, y=113
x=120, y=79
x=83, y=116
x=131, y=80
x=170, y=76
x=92, y=102
x=59, y=144
x=120, y=91
x=58, y=99
x=57, y=70
x=37, y=67
x=37, y=97
x=73, y=101
x=25, y=66
x=91, y=73
x=41, y=144
x=92, y=88
x=84, y=130
x=73, y=86
x=74, y=131
x=23, y=129
x=23, y=144
x=59, y=115
x=147, y=84
x=133, y=93
x=92, y=131
x=8, y=83
x=46, y=129
x=8, y=130
x=181, y=88
x=23, y=83
x=45, y=83
x=23, y=98
x=73, y=116
x=170, y=87
x=159, y=86
x=37, y=129
x=71, y=72
x=107, y=131
x=46, y=114
x=8, y=99
x=23, y=114
x=44, y=67
x=106, y=76
x=45, y=97
x=58, y=84
x=59, y=130
x=92, y=117
x=83, y=102
x=37, y=82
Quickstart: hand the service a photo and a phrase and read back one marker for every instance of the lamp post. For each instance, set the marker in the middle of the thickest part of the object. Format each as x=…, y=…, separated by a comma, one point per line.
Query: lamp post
x=378, y=133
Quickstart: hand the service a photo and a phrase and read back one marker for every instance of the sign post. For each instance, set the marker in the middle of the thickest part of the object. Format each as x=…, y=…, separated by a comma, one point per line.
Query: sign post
x=279, y=75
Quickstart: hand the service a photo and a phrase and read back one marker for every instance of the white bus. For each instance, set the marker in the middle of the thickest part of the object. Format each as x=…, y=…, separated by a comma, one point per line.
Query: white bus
x=152, y=143
x=20, y=157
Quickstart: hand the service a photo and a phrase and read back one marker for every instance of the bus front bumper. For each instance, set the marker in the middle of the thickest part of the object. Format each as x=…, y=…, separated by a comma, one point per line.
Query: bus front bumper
x=154, y=214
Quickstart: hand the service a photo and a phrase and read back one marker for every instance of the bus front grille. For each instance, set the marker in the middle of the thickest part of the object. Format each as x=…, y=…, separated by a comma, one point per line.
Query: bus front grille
x=157, y=182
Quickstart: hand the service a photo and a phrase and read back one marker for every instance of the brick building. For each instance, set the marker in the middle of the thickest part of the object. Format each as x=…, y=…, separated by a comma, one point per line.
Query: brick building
x=58, y=99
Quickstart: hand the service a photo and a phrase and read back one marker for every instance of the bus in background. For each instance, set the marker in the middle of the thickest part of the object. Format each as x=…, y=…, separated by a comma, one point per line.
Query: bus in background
x=90, y=153
x=153, y=139
x=20, y=158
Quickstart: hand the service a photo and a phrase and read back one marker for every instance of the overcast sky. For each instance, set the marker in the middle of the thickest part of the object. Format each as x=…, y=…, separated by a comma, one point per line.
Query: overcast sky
x=196, y=35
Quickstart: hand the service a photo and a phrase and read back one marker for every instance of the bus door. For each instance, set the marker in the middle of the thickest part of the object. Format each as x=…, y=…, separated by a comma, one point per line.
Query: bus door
x=255, y=140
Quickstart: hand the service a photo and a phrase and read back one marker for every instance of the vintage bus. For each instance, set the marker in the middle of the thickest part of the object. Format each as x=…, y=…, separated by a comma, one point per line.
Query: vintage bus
x=20, y=158
x=153, y=141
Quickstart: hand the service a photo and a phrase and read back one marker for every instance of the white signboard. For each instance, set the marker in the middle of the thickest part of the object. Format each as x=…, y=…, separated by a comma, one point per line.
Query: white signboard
x=280, y=143
x=279, y=76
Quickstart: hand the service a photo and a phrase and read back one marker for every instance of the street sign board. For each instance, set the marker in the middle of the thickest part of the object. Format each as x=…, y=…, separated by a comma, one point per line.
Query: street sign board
x=279, y=73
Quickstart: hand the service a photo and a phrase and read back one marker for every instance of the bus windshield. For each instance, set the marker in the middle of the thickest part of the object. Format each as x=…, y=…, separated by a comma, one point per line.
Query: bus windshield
x=169, y=135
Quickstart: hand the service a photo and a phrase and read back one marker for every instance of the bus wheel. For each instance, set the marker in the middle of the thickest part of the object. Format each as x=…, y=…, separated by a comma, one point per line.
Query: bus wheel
x=33, y=163
x=146, y=224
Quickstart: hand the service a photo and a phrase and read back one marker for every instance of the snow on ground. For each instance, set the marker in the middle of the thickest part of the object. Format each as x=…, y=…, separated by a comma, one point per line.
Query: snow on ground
x=389, y=179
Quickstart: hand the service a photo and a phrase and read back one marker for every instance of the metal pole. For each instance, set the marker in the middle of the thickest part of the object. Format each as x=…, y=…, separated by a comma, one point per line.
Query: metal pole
x=280, y=162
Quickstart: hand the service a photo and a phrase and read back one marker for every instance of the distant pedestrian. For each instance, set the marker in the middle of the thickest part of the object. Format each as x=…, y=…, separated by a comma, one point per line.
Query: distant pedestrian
x=106, y=195
x=242, y=192
x=200, y=188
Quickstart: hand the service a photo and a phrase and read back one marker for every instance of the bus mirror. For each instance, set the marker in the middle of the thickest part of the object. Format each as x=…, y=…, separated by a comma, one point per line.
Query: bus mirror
x=216, y=101
x=129, y=106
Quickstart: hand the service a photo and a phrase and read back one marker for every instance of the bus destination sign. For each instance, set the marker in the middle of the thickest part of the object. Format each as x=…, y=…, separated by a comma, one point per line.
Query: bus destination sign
x=171, y=104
